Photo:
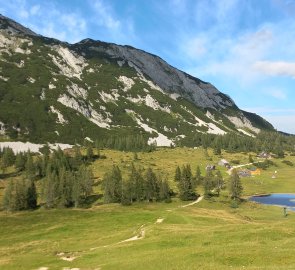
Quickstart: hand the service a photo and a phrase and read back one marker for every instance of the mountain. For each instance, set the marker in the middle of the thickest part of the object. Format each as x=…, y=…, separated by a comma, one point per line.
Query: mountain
x=52, y=91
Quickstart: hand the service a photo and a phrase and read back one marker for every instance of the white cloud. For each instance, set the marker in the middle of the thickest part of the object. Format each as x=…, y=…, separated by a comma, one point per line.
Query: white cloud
x=34, y=10
x=48, y=19
x=111, y=25
x=277, y=93
x=196, y=47
x=104, y=15
x=275, y=68
x=24, y=13
x=232, y=57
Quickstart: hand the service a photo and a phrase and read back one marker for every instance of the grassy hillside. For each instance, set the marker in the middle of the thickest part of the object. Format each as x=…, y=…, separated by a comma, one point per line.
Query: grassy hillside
x=207, y=235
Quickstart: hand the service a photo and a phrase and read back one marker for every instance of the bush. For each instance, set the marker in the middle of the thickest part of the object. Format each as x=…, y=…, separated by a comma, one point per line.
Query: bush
x=288, y=162
x=234, y=204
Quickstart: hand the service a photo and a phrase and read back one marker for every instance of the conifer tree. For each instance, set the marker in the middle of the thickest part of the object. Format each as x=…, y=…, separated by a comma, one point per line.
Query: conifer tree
x=164, y=191
x=208, y=184
x=86, y=180
x=219, y=182
x=235, y=187
x=78, y=159
x=151, y=185
x=21, y=195
x=9, y=196
x=112, y=184
x=8, y=158
x=198, y=176
x=127, y=192
x=29, y=167
x=136, y=182
x=187, y=186
x=20, y=161
x=32, y=195
x=177, y=176
x=76, y=191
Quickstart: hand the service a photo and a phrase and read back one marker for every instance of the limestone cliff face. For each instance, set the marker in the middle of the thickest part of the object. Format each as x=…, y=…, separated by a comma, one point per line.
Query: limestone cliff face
x=170, y=79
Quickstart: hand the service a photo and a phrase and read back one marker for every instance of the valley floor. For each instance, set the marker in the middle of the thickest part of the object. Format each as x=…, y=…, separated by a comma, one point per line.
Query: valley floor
x=204, y=235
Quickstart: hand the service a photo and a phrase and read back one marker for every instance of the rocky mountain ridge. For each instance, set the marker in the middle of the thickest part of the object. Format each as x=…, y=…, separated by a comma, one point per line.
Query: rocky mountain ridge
x=59, y=92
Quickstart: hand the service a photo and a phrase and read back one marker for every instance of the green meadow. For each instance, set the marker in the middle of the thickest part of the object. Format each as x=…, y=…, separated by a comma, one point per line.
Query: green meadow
x=207, y=235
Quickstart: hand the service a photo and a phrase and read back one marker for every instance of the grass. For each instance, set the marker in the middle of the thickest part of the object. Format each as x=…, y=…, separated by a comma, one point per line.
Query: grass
x=207, y=235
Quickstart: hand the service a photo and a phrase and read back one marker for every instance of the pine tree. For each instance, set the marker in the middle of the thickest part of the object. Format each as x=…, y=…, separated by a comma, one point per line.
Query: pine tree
x=198, y=176
x=86, y=180
x=177, y=176
x=187, y=186
x=164, y=191
x=32, y=195
x=20, y=161
x=235, y=187
x=78, y=159
x=112, y=185
x=8, y=158
x=29, y=167
x=9, y=196
x=21, y=199
x=127, y=192
x=208, y=184
x=76, y=191
x=219, y=182
x=136, y=181
x=49, y=187
x=151, y=185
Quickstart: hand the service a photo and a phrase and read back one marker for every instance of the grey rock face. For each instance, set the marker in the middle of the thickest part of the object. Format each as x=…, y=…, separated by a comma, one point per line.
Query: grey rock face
x=170, y=79
x=6, y=23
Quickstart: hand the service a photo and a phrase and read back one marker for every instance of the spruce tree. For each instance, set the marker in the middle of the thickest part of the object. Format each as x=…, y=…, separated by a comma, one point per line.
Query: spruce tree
x=20, y=161
x=219, y=182
x=151, y=185
x=29, y=167
x=186, y=185
x=9, y=196
x=76, y=191
x=127, y=192
x=21, y=199
x=136, y=182
x=177, y=176
x=32, y=195
x=208, y=184
x=164, y=193
x=198, y=176
x=235, y=187
x=112, y=185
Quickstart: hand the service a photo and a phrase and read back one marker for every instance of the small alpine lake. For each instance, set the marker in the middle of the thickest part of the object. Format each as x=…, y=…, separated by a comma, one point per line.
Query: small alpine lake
x=278, y=199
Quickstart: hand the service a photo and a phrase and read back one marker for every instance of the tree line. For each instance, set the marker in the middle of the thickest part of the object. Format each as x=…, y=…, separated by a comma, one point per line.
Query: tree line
x=212, y=183
x=140, y=185
x=64, y=180
x=132, y=143
x=274, y=142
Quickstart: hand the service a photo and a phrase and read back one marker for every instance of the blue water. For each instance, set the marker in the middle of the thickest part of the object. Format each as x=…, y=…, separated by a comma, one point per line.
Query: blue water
x=279, y=199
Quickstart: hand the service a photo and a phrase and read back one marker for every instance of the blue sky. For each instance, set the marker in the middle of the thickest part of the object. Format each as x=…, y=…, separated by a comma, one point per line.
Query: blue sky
x=246, y=48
